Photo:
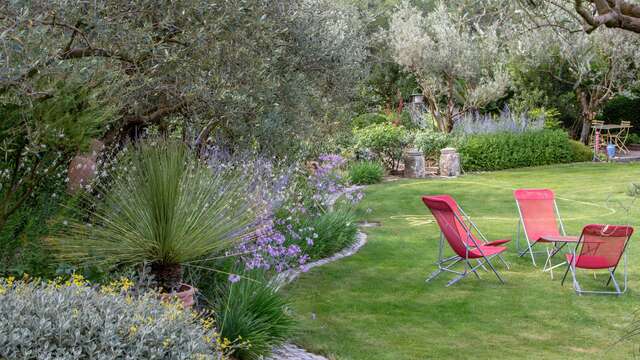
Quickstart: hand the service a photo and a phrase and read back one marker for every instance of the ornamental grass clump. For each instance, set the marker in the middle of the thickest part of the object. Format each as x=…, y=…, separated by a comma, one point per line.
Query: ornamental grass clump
x=366, y=172
x=252, y=311
x=164, y=209
x=72, y=320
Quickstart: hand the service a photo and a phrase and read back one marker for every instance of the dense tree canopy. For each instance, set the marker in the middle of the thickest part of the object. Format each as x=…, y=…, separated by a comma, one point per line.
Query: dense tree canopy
x=235, y=69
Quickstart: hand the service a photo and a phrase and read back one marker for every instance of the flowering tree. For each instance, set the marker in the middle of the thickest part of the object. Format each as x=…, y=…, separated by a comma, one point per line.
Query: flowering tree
x=457, y=63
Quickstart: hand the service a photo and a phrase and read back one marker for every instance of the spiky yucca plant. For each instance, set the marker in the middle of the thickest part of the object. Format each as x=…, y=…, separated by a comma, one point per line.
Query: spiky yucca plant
x=165, y=209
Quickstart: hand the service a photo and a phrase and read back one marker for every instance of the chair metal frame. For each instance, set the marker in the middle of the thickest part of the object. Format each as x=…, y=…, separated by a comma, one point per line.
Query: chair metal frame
x=571, y=267
x=549, y=252
x=445, y=264
x=622, y=135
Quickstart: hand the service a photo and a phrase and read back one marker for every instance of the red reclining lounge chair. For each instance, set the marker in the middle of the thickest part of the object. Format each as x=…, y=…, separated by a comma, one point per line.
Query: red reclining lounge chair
x=601, y=247
x=540, y=220
x=461, y=239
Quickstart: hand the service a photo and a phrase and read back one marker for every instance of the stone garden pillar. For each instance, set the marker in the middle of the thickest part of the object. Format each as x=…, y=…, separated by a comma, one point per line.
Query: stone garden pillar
x=449, y=162
x=414, y=164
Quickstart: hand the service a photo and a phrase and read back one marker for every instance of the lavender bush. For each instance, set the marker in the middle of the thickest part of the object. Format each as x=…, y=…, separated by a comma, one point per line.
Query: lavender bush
x=287, y=192
x=476, y=123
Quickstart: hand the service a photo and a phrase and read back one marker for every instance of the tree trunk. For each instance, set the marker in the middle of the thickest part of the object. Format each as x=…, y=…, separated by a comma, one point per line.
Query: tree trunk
x=586, y=116
x=168, y=276
x=450, y=106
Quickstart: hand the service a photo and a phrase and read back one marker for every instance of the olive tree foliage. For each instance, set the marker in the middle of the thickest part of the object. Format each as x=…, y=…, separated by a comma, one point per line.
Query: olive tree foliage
x=459, y=63
x=239, y=70
x=596, y=66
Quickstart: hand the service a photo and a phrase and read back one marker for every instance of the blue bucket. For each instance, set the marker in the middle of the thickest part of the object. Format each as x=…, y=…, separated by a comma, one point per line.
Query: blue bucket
x=611, y=150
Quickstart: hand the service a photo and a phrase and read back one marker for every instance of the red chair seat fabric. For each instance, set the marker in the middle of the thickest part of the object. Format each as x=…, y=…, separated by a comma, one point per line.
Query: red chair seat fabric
x=591, y=262
x=486, y=250
x=497, y=242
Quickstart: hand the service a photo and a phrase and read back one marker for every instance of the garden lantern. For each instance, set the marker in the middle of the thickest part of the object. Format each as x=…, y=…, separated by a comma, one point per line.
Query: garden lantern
x=417, y=98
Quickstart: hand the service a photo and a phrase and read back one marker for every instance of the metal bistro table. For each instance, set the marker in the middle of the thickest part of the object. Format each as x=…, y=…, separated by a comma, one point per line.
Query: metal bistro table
x=558, y=243
x=615, y=137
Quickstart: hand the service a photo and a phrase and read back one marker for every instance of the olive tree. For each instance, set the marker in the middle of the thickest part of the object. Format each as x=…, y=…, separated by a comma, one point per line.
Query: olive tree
x=459, y=64
x=596, y=67
x=234, y=69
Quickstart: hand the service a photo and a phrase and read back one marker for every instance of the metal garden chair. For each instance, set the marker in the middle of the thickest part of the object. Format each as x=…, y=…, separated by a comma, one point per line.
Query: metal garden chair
x=465, y=244
x=540, y=223
x=600, y=248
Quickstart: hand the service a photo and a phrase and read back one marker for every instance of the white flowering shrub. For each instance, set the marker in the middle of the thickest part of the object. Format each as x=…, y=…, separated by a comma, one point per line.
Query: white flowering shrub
x=72, y=320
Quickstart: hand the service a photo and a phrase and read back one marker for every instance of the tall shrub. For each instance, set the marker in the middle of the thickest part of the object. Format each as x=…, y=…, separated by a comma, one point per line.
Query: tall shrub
x=386, y=141
x=431, y=142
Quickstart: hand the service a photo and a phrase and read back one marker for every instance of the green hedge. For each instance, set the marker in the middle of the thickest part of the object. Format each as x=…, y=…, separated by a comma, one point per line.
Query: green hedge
x=499, y=151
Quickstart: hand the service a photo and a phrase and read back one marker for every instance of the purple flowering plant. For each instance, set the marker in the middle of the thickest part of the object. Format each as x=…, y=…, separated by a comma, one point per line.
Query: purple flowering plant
x=287, y=193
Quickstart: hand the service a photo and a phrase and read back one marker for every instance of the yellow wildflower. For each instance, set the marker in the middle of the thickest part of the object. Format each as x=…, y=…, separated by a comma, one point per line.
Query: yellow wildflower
x=133, y=330
x=207, y=323
x=2, y=290
x=10, y=281
x=126, y=284
x=108, y=290
x=166, y=343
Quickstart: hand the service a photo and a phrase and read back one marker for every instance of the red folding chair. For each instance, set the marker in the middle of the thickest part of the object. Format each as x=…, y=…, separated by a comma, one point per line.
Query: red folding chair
x=601, y=247
x=540, y=219
x=462, y=240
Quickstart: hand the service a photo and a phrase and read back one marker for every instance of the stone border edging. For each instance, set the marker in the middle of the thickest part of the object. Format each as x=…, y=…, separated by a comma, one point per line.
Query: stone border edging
x=289, y=351
x=288, y=276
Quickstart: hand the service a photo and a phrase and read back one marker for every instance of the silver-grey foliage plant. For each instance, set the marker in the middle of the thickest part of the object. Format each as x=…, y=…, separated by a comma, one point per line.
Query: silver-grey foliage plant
x=53, y=321
x=476, y=123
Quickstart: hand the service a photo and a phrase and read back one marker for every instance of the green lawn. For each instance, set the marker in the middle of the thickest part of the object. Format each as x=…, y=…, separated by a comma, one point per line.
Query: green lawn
x=376, y=304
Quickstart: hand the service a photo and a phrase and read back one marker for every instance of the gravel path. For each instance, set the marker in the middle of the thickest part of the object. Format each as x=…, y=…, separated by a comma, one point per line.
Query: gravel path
x=290, y=351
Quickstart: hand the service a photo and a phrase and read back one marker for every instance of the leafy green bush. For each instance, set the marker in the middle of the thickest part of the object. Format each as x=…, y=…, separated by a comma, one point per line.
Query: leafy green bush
x=253, y=312
x=580, y=152
x=633, y=139
x=512, y=150
x=38, y=139
x=22, y=248
x=623, y=108
x=165, y=210
x=366, y=172
x=332, y=232
x=551, y=117
x=431, y=142
x=364, y=120
x=74, y=321
x=386, y=141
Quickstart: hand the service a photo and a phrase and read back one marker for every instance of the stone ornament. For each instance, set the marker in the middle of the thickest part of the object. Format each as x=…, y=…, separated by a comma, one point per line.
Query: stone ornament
x=449, y=162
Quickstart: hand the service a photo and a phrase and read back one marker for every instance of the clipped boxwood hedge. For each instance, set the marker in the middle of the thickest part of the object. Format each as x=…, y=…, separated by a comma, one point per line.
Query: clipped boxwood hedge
x=498, y=151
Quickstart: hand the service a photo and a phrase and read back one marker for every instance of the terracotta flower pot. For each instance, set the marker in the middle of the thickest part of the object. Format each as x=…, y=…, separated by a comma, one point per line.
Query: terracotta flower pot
x=186, y=294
